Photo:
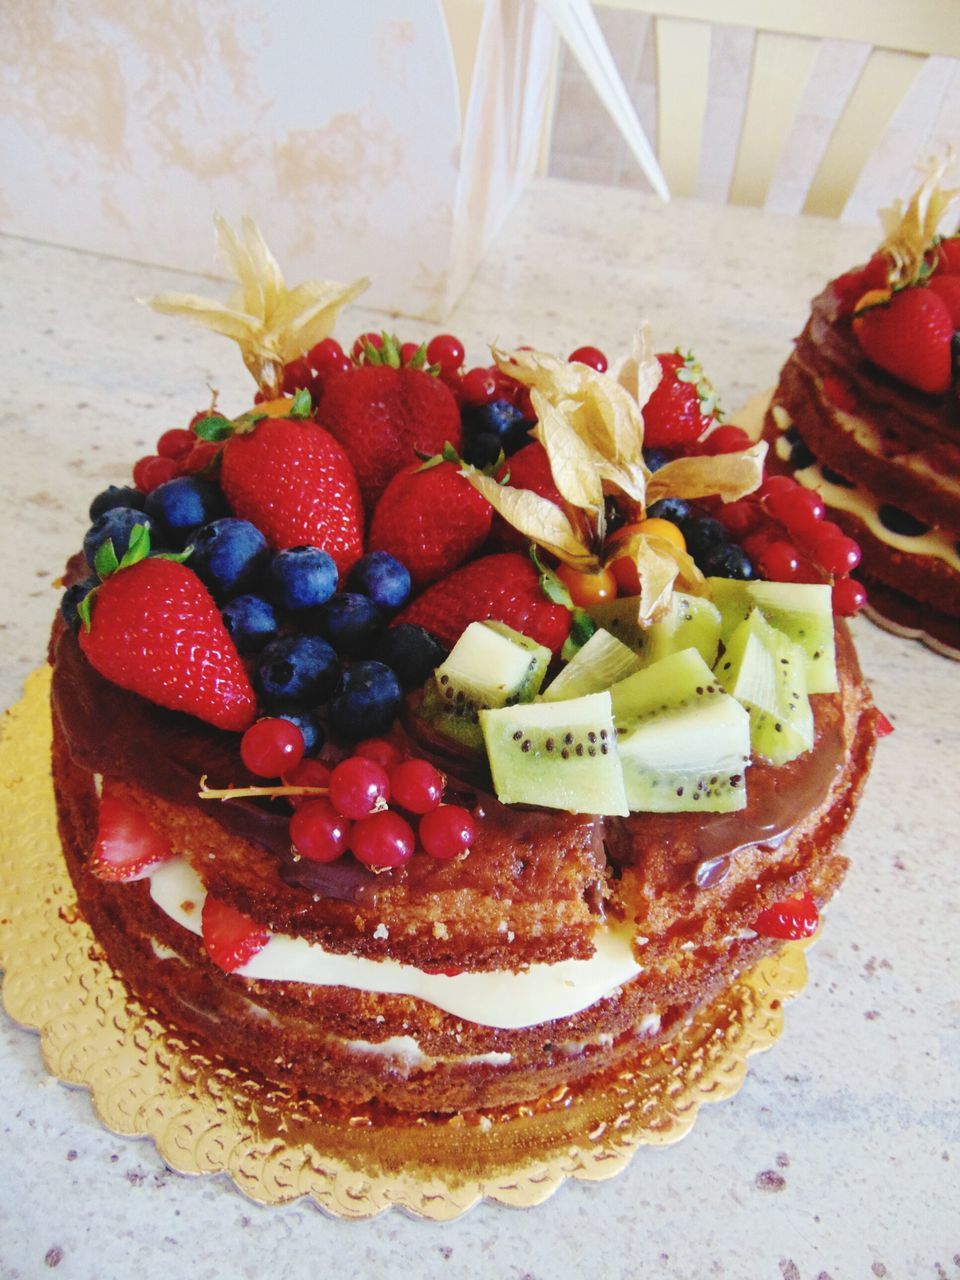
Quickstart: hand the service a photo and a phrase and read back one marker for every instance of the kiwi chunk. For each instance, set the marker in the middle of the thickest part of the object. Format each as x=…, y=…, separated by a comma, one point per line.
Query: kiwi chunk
x=601, y=662
x=690, y=621
x=560, y=755
x=766, y=671
x=684, y=743
x=491, y=665
x=803, y=611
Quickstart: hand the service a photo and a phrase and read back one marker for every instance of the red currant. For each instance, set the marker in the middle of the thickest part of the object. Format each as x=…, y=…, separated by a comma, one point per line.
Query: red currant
x=297, y=375
x=308, y=773
x=446, y=351
x=176, y=443
x=447, y=831
x=318, y=832
x=591, y=356
x=358, y=786
x=848, y=596
x=416, y=786
x=478, y=387
x=385, y=753
x=328, y=357
x=776, y=484
x=725, y=439
x=837, y=555
x=374, y=339
x=779, y=562
x=383, y=840
x=151, y=472
x=271, y=746
x=740, y=517
x=200, y=458
x=796, y=508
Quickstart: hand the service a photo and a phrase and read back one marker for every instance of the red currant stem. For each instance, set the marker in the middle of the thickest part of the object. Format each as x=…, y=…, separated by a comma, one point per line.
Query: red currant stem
x=242, y=793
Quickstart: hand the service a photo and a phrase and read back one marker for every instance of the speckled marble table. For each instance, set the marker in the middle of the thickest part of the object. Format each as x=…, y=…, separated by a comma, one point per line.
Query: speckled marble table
x=839, y=1158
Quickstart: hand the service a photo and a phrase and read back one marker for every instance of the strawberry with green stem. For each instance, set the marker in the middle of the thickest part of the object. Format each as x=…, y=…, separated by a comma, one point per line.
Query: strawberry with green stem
x=153, y=628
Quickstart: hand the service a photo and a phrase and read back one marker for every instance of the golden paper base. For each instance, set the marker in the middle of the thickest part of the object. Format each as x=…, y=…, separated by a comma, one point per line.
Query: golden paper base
x=205, y=1117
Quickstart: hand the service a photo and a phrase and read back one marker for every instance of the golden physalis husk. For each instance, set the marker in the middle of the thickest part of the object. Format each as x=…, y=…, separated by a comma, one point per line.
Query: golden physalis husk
x=911, y=232
x=271, y=324
x=591, y=426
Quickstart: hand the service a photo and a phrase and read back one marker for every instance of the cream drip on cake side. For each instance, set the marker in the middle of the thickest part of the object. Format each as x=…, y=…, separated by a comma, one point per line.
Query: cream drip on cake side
x=499, y=998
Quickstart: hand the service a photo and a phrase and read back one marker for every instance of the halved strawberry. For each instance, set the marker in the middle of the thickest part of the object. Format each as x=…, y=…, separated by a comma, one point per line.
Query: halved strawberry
x=128, y=847
x=231, y=938
x=794, y=918
x=683, y=404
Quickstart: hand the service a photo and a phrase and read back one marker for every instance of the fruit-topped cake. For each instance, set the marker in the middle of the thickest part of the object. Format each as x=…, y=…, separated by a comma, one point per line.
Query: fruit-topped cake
x=447, y=735
x=866, y=415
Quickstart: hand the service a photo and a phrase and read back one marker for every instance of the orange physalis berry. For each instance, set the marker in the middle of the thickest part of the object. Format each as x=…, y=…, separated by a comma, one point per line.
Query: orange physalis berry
x=587, y=589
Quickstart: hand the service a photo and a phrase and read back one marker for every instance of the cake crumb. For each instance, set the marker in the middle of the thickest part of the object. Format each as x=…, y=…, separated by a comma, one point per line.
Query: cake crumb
x=381, y=931
x=440, y=930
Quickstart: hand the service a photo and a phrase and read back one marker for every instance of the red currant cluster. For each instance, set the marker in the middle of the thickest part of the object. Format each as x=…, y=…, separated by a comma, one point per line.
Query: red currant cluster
x=347, y=806
x=179, y=453
x=783, y=530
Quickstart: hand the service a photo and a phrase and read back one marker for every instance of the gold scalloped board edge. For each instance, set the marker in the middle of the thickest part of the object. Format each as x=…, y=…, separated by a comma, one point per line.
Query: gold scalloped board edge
x=205, y=1118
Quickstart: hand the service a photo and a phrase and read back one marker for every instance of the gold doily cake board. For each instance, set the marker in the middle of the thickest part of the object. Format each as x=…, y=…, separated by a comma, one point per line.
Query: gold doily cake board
x=205, y=1117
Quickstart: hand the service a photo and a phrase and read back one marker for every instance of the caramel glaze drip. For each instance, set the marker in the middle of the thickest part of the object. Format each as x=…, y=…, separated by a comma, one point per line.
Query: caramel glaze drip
x=113, y=732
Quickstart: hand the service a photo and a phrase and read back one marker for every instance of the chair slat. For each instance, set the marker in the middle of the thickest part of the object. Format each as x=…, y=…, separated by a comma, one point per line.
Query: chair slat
x=885, y=79
x=683, y=66
x=781, y=67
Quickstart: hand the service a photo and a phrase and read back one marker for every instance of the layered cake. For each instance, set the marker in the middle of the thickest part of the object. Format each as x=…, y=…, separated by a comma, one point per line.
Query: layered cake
x=866, y=414
x=427, y=734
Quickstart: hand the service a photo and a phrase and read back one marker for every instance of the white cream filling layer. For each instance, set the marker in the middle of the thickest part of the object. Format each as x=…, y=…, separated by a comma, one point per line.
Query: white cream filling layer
x=857, y=502
x=500, y=998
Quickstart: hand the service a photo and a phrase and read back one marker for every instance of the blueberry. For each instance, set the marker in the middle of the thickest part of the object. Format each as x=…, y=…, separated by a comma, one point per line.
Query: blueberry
x=702, y=534
x=834, y=477
x=411, y=652
x=655, y=459
x=672, y=509
x=303, y=577
x=350, y=622
x=114, y=525
x=902, y=522
x=381, y=578
x=72, y=598
x=482, y=450
x=116, y=496
x=366, y=702
x=184, y=504
x=308, y=722
x=228, y=555
x=250, y=621
x=801, y=456
x=727, y=561
x=500, y=418
x=298, y=668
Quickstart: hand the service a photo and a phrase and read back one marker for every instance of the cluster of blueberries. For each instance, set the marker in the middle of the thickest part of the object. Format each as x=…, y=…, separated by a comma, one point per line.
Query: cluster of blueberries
x=491, y=429
x=319, y=654
x=708, y=540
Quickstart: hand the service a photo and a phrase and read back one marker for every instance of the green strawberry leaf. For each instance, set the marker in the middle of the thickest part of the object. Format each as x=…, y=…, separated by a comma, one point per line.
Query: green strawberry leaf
x=390, y=351
x=419, y=357
x=552, y=587
x=84, y=607
x=302, y=406
x=213, y=428
x=105, y=561
x=138, y=548
x=178, y=557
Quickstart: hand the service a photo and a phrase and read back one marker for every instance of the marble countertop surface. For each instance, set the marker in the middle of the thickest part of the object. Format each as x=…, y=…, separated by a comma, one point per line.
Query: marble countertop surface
x=839, y=1158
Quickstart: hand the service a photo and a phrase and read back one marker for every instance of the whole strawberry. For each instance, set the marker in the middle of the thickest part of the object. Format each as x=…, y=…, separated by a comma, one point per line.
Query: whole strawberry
x=153, y=628
x=293, y=480
x=431, y=519
x=384, y=417
x=908, y=334
x=503, y=587
x=683, y=405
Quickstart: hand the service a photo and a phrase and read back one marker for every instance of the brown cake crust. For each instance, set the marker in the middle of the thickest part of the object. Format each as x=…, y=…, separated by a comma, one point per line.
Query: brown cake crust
x=692, y=939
